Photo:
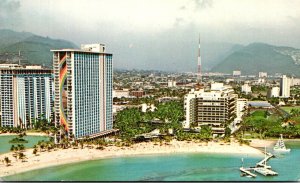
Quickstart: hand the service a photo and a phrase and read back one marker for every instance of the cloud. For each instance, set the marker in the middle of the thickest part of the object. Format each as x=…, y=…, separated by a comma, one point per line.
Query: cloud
x=9, y=13
x=179, y=21
x=202, y=4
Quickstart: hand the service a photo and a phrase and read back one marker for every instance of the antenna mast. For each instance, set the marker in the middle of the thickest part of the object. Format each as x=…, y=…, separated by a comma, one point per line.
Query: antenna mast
x=199, y=75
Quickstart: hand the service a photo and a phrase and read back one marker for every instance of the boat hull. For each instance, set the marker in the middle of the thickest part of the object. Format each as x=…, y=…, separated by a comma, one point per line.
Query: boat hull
x=282, y=150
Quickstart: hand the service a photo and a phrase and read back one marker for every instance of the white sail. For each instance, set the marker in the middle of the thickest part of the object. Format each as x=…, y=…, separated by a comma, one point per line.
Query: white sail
x=280, y=146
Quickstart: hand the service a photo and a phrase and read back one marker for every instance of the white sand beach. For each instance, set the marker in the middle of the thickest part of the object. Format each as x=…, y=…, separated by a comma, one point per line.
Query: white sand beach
x=64, y=156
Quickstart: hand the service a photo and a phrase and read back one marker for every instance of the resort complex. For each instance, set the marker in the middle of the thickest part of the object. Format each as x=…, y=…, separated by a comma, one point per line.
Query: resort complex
x=195, y=90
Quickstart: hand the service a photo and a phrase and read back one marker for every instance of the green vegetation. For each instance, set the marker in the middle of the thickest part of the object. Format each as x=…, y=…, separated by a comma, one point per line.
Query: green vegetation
x=18, y=140
x=263, y=124
x=289, y=109
x=132, y=122
x=257, y=57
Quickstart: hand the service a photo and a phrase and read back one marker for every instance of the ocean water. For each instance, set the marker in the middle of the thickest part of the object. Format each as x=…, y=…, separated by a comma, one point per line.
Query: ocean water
x=175, y=167
x=5, y=145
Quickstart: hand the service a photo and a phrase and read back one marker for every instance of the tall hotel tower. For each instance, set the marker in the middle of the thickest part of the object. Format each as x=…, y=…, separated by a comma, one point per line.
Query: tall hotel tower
x=26, y=93
x=83, y=90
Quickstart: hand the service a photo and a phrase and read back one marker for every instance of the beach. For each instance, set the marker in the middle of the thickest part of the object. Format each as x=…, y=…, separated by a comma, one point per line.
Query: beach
x=65, y=156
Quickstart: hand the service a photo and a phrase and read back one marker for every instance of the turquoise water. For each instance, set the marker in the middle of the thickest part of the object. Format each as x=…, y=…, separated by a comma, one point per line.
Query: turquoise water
x=5, y=145
x=177, y=167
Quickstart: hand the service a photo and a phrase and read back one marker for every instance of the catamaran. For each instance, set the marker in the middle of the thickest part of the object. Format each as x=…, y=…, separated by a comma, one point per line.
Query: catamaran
x=279, y=146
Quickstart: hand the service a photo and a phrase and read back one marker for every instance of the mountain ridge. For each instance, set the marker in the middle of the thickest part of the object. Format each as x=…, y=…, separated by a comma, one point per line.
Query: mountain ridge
x=34, y=49
x=257, y=57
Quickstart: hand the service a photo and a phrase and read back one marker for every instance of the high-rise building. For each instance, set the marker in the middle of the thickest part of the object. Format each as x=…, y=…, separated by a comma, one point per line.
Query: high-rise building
x=241, y=107
x=83, y=90
x=26, y=94
x=285, y=85
x=213, y=108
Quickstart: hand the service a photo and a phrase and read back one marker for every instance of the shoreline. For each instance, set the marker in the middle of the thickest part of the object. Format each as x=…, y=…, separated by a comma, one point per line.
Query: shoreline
x=69, y=156
x=27, y=134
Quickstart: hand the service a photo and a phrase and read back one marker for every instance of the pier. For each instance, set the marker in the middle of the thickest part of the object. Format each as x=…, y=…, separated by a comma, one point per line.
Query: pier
x=261, y=167
x=263, y=162
x=265, y=171
x=247, y=172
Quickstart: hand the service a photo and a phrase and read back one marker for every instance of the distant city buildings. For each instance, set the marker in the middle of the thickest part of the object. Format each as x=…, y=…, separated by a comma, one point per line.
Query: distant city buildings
x=121, y=93
x=246, y=88
x=295, y=81
x=137, y=93
x=262, y=74
x=171, y=83
x=285, y=84
x=213, y=108
x=26, y=94
x=83, y=90
x=236, y=73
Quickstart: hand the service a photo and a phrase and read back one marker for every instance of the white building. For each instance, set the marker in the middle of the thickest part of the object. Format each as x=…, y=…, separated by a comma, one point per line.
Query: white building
x=121, y=93
x=171, y=83
x=285, y=85
x=246, y=88
x=236, y=73
x=241, y=106
x=150, y=107
x=275, y=91
x=295, y=81
x=229, y=80
x=213, y=108
x=262, y=74
x=261, y=81
x=26, y=93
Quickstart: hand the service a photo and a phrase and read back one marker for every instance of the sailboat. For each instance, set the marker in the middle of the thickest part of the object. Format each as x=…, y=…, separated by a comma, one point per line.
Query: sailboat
x=279, y=146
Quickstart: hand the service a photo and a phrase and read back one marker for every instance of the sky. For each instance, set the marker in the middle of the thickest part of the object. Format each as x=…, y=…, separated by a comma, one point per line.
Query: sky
x=156, y=27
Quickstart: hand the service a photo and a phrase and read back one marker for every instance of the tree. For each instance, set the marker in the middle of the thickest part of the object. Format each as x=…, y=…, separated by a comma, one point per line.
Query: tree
x=7, y=161
x=206, y=132
x=227, y=132
x=34, y=151
x=21, y=156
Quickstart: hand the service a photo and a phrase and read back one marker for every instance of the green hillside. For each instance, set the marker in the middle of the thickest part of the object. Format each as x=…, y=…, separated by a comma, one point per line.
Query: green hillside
x=34, y=49
x=8, y=37
x=258, y=57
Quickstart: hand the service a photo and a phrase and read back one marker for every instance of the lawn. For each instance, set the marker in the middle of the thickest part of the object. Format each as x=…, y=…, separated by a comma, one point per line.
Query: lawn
x=258, y=113
x=288, y=109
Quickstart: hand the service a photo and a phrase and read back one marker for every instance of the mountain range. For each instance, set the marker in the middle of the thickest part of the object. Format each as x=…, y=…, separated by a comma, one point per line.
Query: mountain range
x=33, y=49
x=216, y=56
x=257, y=57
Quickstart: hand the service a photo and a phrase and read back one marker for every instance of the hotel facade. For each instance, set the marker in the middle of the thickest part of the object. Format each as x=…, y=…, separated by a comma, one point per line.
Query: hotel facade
x=83, y=90
x=214, y=108
x=26, y=94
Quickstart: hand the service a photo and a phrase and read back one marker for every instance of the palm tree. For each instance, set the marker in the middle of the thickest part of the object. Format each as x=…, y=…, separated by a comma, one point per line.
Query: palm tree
x=21, y=156
x=81, y=144
x=7, y=161
x=34, y=151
